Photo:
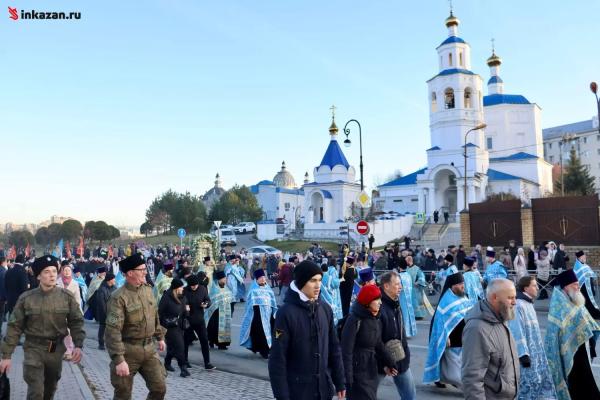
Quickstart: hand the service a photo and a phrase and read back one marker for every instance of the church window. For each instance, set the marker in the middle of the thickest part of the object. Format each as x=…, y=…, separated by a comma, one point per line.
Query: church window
x=460, y=59
x=551, y=159
x=414, y=200
x=450, y=59
x=433, y=102
x=598, y=138
x=449, y=98
x=287, y=206
x=585, y=140
x=489, y=143
x=468, y=98
x=550, y=146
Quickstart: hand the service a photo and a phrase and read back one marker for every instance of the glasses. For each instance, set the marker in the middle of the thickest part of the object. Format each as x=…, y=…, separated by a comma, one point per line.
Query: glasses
x=140, y=269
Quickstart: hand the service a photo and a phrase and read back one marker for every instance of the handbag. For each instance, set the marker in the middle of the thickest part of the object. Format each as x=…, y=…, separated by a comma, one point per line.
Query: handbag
x=171, y=322
x=394, y=347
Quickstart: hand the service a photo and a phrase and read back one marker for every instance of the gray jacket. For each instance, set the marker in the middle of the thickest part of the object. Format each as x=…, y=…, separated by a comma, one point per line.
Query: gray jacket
x=490, y=363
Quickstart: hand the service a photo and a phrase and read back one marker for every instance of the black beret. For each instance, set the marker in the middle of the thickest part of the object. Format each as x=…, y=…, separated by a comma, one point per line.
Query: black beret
x=131, y=262
x=43, y=262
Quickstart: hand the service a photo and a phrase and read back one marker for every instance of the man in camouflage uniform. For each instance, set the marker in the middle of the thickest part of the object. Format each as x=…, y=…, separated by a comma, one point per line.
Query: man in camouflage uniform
x=43, y=314
x=132, y=325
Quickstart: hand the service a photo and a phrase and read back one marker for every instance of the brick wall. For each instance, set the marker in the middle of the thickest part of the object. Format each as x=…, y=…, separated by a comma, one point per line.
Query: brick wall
x=527, y=227
x=465, y=228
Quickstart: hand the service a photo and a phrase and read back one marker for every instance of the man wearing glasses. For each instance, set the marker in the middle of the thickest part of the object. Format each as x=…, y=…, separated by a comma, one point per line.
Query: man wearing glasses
x=132, y=327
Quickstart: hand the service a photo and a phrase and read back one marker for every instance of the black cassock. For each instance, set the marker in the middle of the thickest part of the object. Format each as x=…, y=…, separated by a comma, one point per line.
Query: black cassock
x=213, y=330
x=257, y=334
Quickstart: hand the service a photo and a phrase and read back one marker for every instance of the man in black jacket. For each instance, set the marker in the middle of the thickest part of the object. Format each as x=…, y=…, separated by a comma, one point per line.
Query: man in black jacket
x=3, y=268
x=393, y=328
x=101, y=301
x=306, y=361
x=16, y=281
x=198, y=300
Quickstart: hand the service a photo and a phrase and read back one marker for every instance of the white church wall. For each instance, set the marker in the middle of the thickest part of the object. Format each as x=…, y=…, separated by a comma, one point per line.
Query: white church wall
x=527, y=169
x=267, y=199
x=390, y=229
x=513, y=128
x=267, y=232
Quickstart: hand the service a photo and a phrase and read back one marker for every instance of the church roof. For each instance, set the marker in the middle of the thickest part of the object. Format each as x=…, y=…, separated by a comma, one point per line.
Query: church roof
x=495, y=79
x=327, y=194
x=494, y=175
x=452, y=39
x=283, y=178
x=515, y=157
x=214, y=191
x=452, y=71
x=334, y=156
x=410, y=179
x=574, y=128
x=495, y=99
x=433, y=148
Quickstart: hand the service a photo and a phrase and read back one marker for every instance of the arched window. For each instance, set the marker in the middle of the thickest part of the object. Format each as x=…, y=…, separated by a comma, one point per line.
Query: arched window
x=449, y=98
x=433, y=102
x=468, y=96
x=450, y=59
x=460, y=59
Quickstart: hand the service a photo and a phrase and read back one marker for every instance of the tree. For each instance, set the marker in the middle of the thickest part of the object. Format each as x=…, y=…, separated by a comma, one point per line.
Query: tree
x=54, y=232
x=115, y=233
x=42, y=236
x=576, y=178
x=500, y=196
x=88, y=230
x=101, y=231
x=146, y=228
x=21, y=239
x=71, y=229
x=176, y=210
x=236, y=205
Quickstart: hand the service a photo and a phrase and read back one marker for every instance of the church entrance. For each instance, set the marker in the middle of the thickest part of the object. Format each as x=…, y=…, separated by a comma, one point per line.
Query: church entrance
x=446, y=192
x=316, y=202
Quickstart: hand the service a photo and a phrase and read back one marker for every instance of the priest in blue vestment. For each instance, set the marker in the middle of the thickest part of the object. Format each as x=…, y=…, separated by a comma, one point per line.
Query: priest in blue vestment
x=259, y=318
x=473, y=288
x=536, y=381
x=570, y=326
x=495, y=268
x=443, y=363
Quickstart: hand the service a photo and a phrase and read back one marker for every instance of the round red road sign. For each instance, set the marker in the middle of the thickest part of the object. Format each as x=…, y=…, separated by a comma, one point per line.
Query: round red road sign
x=362, y=227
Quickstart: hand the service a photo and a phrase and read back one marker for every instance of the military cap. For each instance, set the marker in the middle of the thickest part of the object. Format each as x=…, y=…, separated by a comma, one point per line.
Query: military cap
x=43, y=262
x=131, y=262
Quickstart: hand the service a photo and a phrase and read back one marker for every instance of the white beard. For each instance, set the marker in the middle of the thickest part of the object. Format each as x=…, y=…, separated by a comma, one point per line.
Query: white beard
x=576, y=297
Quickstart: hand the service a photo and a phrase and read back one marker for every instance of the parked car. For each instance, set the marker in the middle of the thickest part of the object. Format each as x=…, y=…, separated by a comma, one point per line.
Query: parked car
x=259, y=251
x=244, y=227
x=228, y=238
x=213, y=228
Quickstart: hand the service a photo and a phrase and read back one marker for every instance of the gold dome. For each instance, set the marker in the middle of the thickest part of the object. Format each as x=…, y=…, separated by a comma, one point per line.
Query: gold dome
x=494, y=60
x=452, y=20
x=333, y=129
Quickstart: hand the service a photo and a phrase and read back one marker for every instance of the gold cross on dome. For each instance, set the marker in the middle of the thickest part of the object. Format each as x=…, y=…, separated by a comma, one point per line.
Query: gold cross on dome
x=450, y=1
x=493, y=46
x=333, y=108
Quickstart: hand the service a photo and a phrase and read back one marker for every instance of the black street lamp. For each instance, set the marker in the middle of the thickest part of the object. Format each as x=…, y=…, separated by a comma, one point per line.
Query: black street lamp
x=594, y=89
x=347, y=143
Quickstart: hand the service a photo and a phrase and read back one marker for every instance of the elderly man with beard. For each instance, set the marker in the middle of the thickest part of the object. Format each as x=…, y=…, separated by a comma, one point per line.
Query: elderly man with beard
x=570, y=326
x=445, y=334
x=536, y=381
x=490, y=364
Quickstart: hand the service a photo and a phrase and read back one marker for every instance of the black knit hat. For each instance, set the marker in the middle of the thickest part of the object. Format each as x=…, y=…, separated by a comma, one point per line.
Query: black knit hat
x=176, y=283
x=304, y=272
x=192, y=280
x=449, y=258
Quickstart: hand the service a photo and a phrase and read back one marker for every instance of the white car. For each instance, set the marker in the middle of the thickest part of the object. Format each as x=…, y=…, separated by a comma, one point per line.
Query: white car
x=259, y=251
x=244, y=227
x=228, y=238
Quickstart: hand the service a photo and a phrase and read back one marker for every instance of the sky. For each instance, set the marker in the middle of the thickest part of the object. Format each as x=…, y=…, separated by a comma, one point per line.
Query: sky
x=101, y=115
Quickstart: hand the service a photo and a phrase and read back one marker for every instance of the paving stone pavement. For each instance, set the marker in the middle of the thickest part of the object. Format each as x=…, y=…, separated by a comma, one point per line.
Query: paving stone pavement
x=203, y=384
x=72, y=385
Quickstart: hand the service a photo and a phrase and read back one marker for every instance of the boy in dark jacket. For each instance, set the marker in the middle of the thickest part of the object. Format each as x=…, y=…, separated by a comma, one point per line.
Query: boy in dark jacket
x=392, y=327
x=305, y=346
x=102, y=296
x=198, y=300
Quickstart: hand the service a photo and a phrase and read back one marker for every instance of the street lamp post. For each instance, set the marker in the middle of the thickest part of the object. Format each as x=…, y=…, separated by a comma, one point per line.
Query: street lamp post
x=478, y=127
x=347, y=143
x=594, y=89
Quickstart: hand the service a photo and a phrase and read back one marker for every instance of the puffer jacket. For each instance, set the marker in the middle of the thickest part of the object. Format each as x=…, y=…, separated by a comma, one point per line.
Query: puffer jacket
x=490, y=363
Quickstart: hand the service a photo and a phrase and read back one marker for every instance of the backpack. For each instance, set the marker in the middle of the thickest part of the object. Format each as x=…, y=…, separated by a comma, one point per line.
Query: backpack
x=340, y=326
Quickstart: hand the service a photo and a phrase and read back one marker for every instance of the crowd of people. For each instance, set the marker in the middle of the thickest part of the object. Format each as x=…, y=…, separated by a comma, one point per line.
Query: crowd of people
x=330, y=322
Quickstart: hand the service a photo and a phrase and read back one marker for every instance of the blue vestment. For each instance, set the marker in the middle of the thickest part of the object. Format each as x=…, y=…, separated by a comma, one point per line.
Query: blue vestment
x=264, y=298
x=418, y=292
x=235, y=281
x=473, y=287
x=494, y=271
x=584, y=277
x=221, y=299
x=408, y=313
x=451, y=310
x=569, y=327
x=330, y=292
x=535, y=382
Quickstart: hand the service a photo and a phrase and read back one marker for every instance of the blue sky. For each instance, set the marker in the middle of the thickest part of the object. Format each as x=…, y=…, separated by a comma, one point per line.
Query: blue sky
x=102, y=114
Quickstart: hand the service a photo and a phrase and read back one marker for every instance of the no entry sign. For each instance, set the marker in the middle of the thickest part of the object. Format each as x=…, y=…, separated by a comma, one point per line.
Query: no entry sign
x=362, y=227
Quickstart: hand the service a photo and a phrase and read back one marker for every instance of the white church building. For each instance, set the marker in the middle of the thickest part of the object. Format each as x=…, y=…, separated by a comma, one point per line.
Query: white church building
x=505, y=156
